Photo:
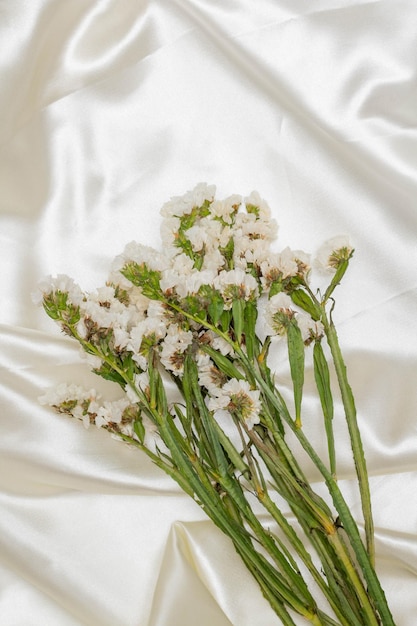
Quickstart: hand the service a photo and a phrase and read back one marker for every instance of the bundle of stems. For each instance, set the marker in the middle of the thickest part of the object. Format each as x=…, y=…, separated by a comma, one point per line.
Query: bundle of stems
x=317, y=566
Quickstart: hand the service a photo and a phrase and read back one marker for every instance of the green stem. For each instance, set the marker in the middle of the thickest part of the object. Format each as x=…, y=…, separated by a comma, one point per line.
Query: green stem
x=210, y=500
x=298, y=545
x=355, y=437
x=349, y=524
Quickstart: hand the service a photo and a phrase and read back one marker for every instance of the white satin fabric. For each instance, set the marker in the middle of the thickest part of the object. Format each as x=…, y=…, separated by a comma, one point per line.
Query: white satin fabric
x=108, y=108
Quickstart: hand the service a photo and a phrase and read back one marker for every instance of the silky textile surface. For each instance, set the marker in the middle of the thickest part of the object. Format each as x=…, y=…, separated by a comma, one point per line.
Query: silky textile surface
x=110, y=107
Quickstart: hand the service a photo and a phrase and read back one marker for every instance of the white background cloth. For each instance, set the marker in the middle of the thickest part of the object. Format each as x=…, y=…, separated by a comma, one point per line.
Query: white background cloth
x=108, y=108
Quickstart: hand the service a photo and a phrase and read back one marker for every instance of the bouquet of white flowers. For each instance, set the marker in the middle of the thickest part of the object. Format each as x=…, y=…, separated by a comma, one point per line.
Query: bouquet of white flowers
x=187, y=334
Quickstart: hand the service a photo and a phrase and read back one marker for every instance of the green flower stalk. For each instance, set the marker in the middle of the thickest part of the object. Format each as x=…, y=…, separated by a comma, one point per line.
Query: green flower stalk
x=205, y=314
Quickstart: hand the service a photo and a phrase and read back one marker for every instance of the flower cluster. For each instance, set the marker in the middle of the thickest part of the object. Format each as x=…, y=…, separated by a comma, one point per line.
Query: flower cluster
x=180, y=332
x=198, y=296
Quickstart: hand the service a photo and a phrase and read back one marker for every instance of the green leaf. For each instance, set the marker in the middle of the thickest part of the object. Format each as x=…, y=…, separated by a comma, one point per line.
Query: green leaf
x=251, y=340
x=222, y=362
x=304, y=301
x=296, y=358
x=225, y=319
x=108, y=373
x=275, y=288
x=238, y=311
x=215, y=308
x=322, y=377
x=139, y=429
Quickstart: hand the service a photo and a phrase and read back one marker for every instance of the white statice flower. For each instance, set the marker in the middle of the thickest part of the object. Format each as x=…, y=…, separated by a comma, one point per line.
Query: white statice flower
x=303, y=260
x=226, y=209
x=209, y=376
x=104, y=294
x=219, y=235
x=178, y=206
x=173, y=276
x=156, y=310
x=249, y=251
x=60, y=283
x=173, y=348
x=261, y=205
x=277, y=267
x=185, y=279
x=65, y=392
x=182, y=264
x=310, y=329
x=135, y=252
x=332, y=252
x=153, y=326
x=170, y=227
x=113, y=315
x=84, y=416
x=213, y=260
x=285, y=264
x=238, y=399
x=195, y=280
x=111, y=412
x=234, y=284
x=278, y=310
x=121, y=337
x=152, y=438
x=73, y=400
x=208, y=234
x=217, y=400
x=256, y=228
x=141, y=383
x=198, y=237
x=137, y=299
x=169, y=280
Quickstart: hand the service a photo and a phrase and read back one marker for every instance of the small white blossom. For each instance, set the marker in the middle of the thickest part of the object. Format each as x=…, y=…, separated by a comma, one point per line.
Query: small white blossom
x=209, y=376
x=173, y=347
x=140, y=254
x=278, y=309
x=237, y=398
x=182, y=264
x=198, y=236
x=255, y=228
x=60, y=283
x=152, y=439
x=183, y=205
x=248, y=250
x=332, y=252
x=255, y=200
x=169, y=280
x=310, y=329
x=114, y=315
x=213, y=260
x=193, y=282
x=169, y=230
x=120, y=338
x=225, y=209
x=234, y=284
x=150, y=326
x=65, y=392
x=111, y=412
x=287, y=263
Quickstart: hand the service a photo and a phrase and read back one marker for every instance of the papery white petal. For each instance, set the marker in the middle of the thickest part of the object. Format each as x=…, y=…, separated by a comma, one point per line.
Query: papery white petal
x=326, y=250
